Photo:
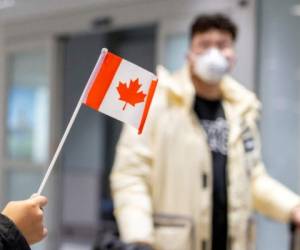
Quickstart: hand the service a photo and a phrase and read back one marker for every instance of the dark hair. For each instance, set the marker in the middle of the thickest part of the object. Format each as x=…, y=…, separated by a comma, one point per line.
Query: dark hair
x=217, y=21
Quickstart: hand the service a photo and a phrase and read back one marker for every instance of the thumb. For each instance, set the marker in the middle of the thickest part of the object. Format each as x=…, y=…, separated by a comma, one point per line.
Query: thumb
x=34, y=195
x=40, y=200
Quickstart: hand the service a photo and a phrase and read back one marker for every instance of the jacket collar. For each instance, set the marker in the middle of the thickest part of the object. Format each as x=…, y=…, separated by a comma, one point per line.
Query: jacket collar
x=180, y=91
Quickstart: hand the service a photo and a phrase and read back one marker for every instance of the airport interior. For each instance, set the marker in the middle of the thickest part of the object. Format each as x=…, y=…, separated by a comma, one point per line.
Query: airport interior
x=48, y=49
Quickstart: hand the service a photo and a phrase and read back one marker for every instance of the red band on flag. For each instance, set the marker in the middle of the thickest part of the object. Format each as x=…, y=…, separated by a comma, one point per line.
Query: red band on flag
x=147, y=104
x=103, y=80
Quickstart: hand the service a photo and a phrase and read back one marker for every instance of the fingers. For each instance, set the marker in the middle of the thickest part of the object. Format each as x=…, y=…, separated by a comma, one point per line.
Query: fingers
x=41, y=201
x=45, y=232
x=34, y=195
x=37, y=235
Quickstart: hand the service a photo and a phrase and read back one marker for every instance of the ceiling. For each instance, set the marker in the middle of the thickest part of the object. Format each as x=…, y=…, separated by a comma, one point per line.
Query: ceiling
x=13, y=10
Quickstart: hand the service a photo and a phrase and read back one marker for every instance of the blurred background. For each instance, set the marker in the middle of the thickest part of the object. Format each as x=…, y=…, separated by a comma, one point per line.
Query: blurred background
x=47, y=51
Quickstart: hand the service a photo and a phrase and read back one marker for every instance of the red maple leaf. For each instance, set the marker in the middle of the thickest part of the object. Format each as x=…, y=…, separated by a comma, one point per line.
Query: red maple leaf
x=130, y=94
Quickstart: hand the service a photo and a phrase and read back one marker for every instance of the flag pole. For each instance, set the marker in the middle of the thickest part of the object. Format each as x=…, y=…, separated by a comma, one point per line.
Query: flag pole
x=62, y=141
x=72, y=120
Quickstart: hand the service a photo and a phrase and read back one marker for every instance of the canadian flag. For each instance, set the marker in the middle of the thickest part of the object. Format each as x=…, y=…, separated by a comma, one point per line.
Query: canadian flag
x=120, y=89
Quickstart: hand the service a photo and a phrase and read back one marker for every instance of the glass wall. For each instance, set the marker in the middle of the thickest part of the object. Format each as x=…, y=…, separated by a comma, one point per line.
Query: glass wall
x=27, y=119
x=27, y=132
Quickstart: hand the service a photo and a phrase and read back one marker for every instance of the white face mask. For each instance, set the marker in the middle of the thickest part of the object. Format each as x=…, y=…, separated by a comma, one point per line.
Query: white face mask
x=211, y=66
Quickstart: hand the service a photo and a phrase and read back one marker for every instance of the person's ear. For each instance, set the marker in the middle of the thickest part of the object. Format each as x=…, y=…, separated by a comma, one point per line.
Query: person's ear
x=190, y=57
x=230, y=56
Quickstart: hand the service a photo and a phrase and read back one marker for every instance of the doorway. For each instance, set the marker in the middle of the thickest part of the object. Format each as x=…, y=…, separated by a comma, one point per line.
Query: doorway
x=89, y=152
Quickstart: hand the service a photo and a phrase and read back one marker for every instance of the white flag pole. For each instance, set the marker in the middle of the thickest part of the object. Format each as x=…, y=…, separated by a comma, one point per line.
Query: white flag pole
x=70, y=124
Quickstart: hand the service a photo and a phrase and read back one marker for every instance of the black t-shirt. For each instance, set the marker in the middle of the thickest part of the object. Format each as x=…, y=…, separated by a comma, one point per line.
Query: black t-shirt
x=212, y=118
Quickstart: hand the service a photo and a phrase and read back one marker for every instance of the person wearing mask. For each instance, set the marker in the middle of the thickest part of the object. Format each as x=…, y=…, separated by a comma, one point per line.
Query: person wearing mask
x=193, y=178
x=21, y=224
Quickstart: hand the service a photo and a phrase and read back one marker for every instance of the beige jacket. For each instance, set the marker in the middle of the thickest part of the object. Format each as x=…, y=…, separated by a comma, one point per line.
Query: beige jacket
x=162, y=180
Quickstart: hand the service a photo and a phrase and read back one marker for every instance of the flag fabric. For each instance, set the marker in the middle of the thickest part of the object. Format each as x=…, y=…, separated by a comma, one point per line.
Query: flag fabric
x=120, y=89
